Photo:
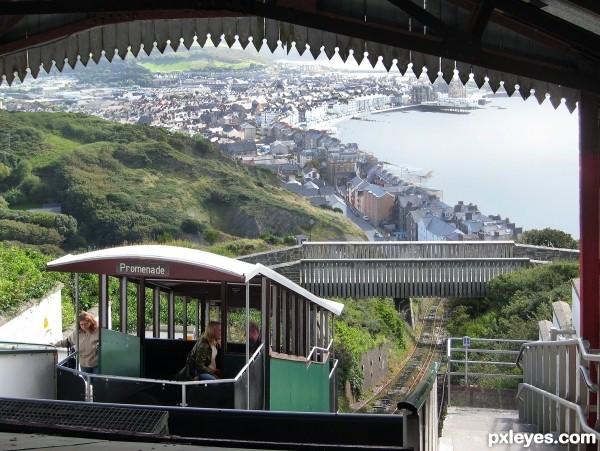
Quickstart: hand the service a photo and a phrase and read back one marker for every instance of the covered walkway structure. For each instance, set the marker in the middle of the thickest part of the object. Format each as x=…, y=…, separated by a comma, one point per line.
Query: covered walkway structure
x=546, y=48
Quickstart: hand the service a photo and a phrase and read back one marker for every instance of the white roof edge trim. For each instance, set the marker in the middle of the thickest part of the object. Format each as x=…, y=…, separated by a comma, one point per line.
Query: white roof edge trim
x=334, y=307
x=185, y=255
x=244, y=270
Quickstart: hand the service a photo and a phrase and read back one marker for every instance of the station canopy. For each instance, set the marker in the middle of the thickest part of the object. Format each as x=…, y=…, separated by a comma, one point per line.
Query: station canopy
x=546, y=48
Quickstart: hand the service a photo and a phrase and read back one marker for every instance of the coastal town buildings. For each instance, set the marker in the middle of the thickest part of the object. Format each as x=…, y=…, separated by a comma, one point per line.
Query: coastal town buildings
x=287, y=125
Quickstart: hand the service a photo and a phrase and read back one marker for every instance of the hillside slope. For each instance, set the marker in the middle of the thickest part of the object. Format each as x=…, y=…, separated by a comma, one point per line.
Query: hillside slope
x=122, y=183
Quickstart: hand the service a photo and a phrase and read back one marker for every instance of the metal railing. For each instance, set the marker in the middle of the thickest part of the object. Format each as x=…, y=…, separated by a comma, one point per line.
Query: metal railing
x=404, y=278
x=420, y=413
x=181, y=386
x=494, y=360
x=407, y=249
x=318, y=354
x=559, y=392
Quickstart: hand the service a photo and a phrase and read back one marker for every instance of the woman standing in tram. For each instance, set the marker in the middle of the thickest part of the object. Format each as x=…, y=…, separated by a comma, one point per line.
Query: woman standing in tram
x=89, y=342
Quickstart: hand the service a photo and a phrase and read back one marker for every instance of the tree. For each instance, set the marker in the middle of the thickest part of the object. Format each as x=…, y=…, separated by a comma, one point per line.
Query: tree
x=549, y=237
x=4, y=171
x=19, y=173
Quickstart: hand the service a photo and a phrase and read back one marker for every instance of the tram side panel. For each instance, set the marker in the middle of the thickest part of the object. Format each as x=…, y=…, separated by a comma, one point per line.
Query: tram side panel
x=27, y=371
x=297, y=385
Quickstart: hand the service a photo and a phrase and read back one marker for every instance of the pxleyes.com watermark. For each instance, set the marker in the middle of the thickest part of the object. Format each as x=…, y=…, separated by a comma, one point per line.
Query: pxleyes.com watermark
x=529, y=438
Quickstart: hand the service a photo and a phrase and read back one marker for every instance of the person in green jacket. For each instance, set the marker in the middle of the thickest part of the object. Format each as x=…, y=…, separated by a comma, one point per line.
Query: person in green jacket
x=201, y=362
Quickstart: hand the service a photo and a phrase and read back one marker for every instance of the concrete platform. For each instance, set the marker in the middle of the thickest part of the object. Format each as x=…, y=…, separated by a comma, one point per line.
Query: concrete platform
x=469, y=429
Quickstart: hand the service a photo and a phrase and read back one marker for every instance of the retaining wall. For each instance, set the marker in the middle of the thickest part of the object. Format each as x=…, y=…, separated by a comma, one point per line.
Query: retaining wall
x=542, y=253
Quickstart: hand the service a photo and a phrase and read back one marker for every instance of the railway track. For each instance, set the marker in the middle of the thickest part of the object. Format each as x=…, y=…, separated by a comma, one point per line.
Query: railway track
x=416, y=365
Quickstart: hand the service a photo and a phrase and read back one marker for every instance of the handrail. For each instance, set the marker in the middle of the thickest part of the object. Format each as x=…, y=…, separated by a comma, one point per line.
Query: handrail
x=68, y=357
x=253, y=357
x=563, y=402
x=182, y=384
x=494, y=340
x=317, y=348
x=554, y=333
x=161, y=381
x=587, y=378
x=484, y=362
x=501, y=367
x=572, y=341
x=45, y=345
x=415, y=400
x=418, y=259
x=335, y=364
x=142, y=379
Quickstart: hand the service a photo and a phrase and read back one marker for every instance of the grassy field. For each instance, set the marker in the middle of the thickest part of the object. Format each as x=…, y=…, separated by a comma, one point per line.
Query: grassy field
x=203, y=59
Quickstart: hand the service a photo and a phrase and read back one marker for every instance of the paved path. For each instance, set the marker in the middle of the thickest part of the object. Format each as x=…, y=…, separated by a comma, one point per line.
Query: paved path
x=469, y=429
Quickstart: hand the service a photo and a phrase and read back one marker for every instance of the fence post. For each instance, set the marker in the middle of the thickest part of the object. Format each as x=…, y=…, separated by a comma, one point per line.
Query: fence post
x=449, y=366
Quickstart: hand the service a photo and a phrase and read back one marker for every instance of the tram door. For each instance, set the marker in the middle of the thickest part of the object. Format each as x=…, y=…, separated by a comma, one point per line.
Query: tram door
x=120, y=354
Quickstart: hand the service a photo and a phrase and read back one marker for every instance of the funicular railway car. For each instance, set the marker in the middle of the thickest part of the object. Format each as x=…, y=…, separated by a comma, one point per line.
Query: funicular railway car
x=281, y=396
x=294, y=368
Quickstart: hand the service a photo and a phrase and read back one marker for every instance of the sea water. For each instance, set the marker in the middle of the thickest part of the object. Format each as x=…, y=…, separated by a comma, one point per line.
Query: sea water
x=513, y=157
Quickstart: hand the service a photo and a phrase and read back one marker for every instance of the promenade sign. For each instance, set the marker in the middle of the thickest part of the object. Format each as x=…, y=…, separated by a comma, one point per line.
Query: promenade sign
x=142, y=269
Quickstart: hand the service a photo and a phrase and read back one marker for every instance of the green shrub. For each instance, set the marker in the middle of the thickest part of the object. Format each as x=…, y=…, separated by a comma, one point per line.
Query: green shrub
x=548, y=237
x=351, y=344
x=28, y=233
x=4, y=171
x=515, y=303
x=365, y=324
x=192, y=226
x=211, y=236
x=14, y=196
x=290, y=240
x=121, y=200
x=270, y=238
x=23, y=277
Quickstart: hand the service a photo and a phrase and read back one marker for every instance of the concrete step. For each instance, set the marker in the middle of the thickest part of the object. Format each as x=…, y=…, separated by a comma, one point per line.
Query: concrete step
x=470, y=429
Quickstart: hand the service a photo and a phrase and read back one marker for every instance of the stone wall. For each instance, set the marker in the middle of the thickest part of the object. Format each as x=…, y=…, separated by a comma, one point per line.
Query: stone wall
x=284, y=261
x=375, y=366
x=542, y=253
x=276, y=257
x=289, y=270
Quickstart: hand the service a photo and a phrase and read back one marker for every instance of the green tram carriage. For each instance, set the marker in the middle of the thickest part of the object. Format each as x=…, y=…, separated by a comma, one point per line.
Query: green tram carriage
x=294, y=369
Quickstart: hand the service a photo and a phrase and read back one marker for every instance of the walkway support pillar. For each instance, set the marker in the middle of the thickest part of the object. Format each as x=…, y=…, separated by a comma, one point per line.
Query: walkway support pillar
x=589, y=217
x=589, y=151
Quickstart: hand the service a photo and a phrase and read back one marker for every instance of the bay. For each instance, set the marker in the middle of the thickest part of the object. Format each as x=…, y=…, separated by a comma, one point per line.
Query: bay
x=515, y=158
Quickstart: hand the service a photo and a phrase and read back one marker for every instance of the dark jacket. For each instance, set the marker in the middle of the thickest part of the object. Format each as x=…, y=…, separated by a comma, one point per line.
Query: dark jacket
x=199, y=358
x=254, y=346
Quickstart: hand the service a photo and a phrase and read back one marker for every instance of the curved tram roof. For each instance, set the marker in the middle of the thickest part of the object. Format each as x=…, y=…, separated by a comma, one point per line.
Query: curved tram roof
x=177, y=268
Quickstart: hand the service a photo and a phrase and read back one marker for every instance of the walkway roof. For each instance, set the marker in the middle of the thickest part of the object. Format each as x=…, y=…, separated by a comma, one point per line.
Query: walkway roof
x=176, y=267
x=550, y=46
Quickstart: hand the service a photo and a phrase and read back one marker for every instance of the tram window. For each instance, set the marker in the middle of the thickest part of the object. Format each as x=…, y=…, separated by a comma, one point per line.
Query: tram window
x=236, y=323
